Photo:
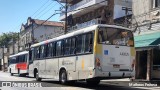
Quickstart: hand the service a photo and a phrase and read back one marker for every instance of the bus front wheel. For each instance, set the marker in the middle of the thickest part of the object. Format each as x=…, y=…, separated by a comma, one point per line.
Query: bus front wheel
x=63, y=77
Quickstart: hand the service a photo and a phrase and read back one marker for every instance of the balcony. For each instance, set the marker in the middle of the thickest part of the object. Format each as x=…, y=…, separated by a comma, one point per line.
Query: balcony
x=63, y=1
x=85, y=24
x=78, y=9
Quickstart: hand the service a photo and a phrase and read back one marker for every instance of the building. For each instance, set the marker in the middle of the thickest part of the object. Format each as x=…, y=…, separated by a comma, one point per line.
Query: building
x=35, y=31
x=146, y=16
x=4, y=59
x=83, y=13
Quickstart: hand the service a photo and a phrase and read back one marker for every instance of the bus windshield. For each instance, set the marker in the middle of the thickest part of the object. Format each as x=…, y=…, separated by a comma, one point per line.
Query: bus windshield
x=115, y=36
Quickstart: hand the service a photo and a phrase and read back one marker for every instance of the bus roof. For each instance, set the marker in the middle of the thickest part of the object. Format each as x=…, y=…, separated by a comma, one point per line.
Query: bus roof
x=80, y=31
x=21, y=53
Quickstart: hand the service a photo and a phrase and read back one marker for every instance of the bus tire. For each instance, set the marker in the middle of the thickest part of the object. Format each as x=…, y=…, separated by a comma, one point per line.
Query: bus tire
x=93, y=82
x=37, y=77
x=63, y=77
x=19, y=73
x=11, y=72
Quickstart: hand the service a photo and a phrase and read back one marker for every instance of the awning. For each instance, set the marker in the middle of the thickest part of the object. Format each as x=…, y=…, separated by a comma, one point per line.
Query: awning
x=152, y=39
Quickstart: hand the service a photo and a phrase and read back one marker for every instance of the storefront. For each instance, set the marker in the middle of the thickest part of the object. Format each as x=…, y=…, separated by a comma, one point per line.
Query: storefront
x=148, y=56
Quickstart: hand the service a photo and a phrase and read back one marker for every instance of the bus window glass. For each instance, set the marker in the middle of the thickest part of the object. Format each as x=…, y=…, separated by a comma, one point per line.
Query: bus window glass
x=46, y=51
x=53, y=49
x=50, y=51
x=80, y=44
x=89, y=42
x=42, y=52
x=30, y=55
x=17, y=60
x=114, y=36
x=26, y=58
x=58, y=48
x=67, y=44
x=73, y=46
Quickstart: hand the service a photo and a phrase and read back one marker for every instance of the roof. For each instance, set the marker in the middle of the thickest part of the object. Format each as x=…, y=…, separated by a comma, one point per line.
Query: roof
x=83, y=30
x=21, y=53
x=50, y=23
x=147, y=39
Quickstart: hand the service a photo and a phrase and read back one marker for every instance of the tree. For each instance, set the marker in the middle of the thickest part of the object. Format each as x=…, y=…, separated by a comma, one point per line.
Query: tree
x=5, y=38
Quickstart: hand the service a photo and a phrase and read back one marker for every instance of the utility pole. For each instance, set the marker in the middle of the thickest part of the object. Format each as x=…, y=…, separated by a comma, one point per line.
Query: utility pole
x=66, y=7
x=127, y=9
x=3, y=58
x=18, y=42
x=13, y=45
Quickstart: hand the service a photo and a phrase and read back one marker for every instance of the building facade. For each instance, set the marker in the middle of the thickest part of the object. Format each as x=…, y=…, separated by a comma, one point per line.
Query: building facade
x=35, y=31
x=83, y=13
x=146, y=17
x=4, y=59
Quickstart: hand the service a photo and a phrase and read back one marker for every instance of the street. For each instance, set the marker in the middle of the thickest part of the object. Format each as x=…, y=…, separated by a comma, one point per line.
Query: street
x=121, y=84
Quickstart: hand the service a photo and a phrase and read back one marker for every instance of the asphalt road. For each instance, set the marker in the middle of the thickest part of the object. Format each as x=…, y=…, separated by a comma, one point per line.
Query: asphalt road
x=118, y=84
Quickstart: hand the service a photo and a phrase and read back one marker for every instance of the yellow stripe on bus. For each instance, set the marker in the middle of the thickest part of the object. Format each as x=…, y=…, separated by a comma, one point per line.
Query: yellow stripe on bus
x=82, y=64
x=133, y=51
x=97, y=47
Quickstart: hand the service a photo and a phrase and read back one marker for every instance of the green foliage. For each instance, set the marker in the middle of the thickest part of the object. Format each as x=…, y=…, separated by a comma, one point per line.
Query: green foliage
x=6, y=38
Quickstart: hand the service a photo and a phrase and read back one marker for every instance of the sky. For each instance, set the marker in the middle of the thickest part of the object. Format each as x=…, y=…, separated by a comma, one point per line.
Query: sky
x=15, y=12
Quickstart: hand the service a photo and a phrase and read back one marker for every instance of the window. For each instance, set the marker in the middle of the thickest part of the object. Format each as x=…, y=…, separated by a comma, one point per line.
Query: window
x=37, y=52
x=89, y=42
x=17, y=60
x=59, y=48
x=21, y=58
x=46, y=50
x=156, y=3
x=30, y=55
x=80, y=44
x=50, y=50
x=42, y=52
x=53, y=49
x=73, y=46
x=67, y=44
x=114, y=36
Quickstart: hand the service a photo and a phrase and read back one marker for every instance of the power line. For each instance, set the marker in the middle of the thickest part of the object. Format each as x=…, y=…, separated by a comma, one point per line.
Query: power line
x=40, y=7
x=32, y=14
x=43, y=9
x=48, y=10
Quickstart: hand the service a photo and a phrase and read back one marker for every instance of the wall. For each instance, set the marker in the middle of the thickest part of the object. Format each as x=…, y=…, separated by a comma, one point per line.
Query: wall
x=118, y=4
x=40, y=34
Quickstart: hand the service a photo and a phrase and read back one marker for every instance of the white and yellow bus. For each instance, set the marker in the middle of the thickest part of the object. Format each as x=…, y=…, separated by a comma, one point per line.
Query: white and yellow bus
x=94, y=53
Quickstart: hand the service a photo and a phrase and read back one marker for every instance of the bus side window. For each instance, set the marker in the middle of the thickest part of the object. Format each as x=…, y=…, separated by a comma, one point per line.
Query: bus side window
x=42, y=52
x=30, y=55
x=67, y=44
x=59, y=48
x=53, y=49
x=73, y=46
x=89, y=42
x=17, y=60
x=46, y=51
x=26, y=58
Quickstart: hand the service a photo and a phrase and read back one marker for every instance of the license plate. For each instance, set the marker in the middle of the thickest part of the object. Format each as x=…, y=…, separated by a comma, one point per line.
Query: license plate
x=116, y=66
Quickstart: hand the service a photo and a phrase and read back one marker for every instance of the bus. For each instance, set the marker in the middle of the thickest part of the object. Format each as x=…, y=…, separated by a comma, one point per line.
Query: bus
x=18, y=63
x=92, y=54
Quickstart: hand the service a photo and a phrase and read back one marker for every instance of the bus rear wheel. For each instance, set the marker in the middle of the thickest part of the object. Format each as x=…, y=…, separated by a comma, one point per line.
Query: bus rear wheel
x=11, y=73
x=37, y=77
x=19, y=74
x=63, y=77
